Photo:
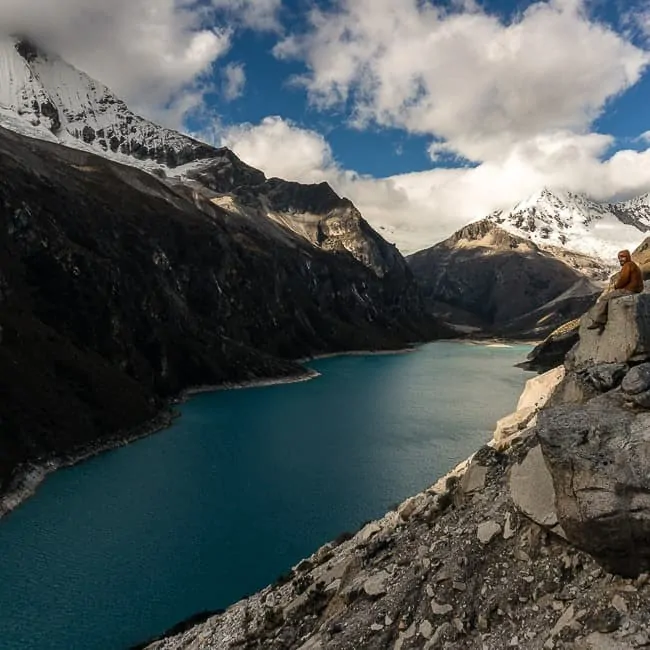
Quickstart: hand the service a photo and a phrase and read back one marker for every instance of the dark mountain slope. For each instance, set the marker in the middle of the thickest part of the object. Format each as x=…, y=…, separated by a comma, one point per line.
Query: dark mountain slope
x=500, y=279
x=117, y=291
x=315, y=211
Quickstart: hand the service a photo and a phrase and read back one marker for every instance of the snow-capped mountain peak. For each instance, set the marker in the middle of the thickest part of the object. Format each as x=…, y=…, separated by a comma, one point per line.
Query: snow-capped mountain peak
x=575, y=222
x=42, y=95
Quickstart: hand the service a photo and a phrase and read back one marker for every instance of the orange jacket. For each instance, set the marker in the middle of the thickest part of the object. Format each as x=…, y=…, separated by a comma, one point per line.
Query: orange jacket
x=630, y=278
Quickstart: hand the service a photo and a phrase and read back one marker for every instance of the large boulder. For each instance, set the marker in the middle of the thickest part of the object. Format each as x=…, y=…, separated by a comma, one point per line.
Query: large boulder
x=598, y=455
x=532, y=491
x=626, y=338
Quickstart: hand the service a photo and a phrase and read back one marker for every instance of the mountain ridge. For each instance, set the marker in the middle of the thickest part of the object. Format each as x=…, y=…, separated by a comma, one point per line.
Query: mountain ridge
x=507, y=282
x=43, y=96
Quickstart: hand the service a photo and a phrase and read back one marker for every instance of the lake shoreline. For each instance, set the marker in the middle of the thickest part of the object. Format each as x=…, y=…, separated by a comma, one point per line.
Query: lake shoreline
x=28, y=477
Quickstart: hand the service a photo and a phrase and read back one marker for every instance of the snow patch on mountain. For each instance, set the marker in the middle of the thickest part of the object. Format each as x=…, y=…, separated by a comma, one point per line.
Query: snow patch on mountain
x=574, y=222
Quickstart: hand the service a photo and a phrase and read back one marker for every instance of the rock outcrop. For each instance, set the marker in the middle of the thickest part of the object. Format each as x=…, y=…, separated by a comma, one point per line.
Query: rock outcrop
x=596, y=442
x=625, y=339
x=599, y=457
x=551, y=352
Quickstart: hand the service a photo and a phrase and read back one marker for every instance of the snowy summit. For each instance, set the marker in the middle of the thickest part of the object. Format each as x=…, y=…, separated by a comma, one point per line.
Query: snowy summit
x=575, y=222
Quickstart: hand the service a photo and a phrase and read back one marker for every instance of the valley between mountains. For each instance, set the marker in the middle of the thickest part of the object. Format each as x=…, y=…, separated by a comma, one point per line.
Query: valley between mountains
x=137, y=263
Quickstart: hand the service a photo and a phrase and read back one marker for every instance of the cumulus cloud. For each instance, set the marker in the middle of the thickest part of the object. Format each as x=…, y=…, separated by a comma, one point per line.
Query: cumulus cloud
x=305, y=155
x=234, y=77
x=156, y=54
x=478, y=85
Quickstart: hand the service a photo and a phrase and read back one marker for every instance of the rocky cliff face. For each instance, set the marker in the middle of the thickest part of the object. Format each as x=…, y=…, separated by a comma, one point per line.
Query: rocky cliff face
x=117, y=291
x=538, y=541
x=314, y=212
x=511, y=285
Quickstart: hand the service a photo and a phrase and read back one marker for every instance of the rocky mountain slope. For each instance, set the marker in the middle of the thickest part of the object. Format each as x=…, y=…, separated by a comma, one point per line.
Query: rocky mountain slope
x=538, y=541
x=42, y=96
x=117, y=291
x=507, y=283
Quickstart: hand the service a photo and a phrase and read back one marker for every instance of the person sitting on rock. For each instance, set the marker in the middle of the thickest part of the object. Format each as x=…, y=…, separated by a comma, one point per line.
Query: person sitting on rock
x=628, y=282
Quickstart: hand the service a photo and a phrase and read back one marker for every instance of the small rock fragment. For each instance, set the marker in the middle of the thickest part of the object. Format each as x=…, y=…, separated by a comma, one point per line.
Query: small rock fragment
x=618, y=603
x=563, y=621
x=410, y=631
x=426, y=629
x=607, y=620
x=440, y=609
x=376, y=585
x=637, y=380
x=487, y=531
x=474, y=478
x=368, y=531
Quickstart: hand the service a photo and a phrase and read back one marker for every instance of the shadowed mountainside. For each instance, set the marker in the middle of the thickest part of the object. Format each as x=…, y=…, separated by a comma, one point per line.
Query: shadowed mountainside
x=117, y=292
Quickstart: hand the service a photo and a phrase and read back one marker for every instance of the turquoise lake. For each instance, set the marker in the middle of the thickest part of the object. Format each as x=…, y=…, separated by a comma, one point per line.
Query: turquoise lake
x=245, y=484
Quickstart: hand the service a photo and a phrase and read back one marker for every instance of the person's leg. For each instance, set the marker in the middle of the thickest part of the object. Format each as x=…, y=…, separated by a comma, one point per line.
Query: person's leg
x=600, y=311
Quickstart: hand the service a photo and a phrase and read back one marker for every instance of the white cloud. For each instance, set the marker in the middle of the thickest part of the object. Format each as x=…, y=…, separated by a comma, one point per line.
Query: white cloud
x=281, y=148
x=234, y=81
x=256, y=14
x=474, y=83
